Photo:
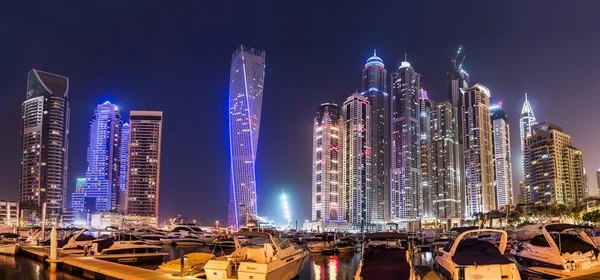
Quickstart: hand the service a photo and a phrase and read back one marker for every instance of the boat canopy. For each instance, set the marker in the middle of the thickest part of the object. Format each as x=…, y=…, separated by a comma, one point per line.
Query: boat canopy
x=385, y=235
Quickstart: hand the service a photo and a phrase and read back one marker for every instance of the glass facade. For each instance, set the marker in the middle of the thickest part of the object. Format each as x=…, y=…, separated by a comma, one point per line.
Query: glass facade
x=405, y=174
x=44, y=145
x=245, y=102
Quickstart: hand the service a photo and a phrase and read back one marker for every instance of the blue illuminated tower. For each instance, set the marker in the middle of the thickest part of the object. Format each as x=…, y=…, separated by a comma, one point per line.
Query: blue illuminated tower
x=245, y=100
x=104, y=156
x=123, y=168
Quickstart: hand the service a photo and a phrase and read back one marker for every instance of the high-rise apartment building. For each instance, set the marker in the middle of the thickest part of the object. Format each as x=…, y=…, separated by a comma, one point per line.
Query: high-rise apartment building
x=327, y=203
x=502, y=156
x=357, y=160
x=425, y=150
x=246, y=82
x=526, y=122
x=405, y=173
x=447, y=194
x=44, y=145
x=143, y=182
x=123, y=167
x=478, y=150
x=374, y=86
x=104, y=158
x=553, y=167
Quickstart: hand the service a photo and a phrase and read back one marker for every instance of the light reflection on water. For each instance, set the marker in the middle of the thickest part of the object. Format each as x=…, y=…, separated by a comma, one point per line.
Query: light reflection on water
x=24, y=268
x=333, y=267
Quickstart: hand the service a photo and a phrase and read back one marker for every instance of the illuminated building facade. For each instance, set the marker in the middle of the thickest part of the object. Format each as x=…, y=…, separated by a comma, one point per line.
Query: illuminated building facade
x=478, y=151
x=44, y=145
x=425, y=150
x=245, y=101
x=143, y=182
x=104, y=158
x=502, y=156
x=123, y=167
x=327, y=168
x=78, y=196
x=405, y=173
x=374, y=86
x=357, y=187
x=526, y=122
x=553, y=167
x=447, y=194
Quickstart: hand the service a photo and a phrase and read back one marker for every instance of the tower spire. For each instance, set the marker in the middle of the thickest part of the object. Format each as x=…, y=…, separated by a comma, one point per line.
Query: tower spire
x=526, y=96
x=374, y=52
x=404, y=56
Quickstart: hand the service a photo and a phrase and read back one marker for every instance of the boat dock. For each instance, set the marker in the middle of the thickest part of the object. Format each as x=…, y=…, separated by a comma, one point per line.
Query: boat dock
x=93, y=268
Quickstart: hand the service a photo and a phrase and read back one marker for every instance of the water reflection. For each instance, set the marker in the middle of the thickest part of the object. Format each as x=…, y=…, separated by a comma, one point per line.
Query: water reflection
x=24, y=268
x=330, y=267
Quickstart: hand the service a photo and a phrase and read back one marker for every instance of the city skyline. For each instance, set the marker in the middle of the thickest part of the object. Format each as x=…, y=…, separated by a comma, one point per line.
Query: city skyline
x=177, y=61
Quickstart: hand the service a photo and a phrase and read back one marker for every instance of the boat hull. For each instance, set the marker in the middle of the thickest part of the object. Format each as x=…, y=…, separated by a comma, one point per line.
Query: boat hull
x=284, y=269
x=9, y=249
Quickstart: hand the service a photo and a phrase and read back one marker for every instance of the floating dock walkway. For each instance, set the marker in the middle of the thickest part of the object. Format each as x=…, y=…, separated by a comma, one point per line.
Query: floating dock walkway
x=92, y=268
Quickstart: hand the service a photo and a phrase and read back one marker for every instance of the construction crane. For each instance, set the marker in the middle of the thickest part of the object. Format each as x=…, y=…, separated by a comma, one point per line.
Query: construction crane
x=456, y=56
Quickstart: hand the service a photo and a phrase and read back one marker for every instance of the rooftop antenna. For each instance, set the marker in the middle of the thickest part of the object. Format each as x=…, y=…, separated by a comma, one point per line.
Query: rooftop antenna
x=404, y=56
x=374, y=52
x=456, y=56
x=461, y=62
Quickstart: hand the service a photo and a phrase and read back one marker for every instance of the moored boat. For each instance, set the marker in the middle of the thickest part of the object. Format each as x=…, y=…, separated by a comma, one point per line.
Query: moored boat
x=468, y=257
x=194, y=265
x=259, y=256
x=555, y=251
x=386, y=255
x=8, y=244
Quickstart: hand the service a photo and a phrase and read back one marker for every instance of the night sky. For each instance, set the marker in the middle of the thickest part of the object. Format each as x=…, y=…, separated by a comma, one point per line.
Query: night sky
x=175, y=56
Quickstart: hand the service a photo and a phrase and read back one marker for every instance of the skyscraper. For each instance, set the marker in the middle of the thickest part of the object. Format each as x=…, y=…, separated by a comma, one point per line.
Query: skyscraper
x=478, y=152
x=104, y=158
x=374, y=86
x=143, y=182
x=502, y=156
x=405, y=174
x=123, y=167
x=425, y=150
x=327, y=203
x=357, y=160
x=458, y=79
x=245, y=101
x=44, y=144
x=526, y=121
x=447, y=194
x=553, y=167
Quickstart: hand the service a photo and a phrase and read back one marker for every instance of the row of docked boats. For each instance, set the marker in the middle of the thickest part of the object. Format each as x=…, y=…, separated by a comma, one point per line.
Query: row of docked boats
x=550, y=251
x=257, y=255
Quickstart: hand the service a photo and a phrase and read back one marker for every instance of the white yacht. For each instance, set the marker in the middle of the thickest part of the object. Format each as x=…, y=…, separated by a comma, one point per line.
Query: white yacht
x=8, y=243
x=555, y=251
x=468, y=257
x=188, y=236
x=386, y=255
x=260, y=256
x=77, y=241
x=126, y=247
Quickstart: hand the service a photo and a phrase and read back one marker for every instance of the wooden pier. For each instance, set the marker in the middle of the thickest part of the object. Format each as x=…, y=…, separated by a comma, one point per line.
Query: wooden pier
x=93, y=268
